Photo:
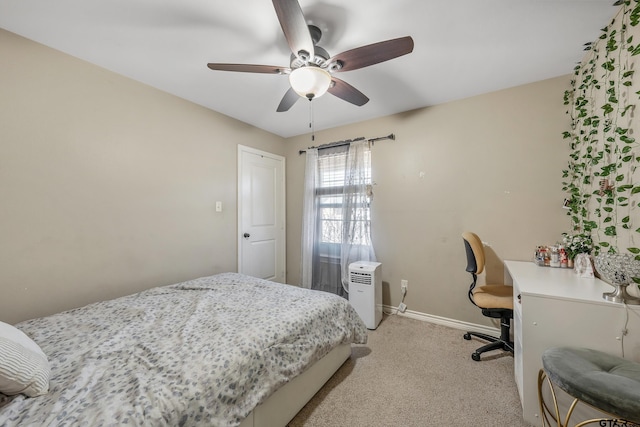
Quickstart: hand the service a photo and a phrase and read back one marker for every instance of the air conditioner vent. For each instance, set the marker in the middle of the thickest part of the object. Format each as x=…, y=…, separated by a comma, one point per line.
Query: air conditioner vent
x=361, y=278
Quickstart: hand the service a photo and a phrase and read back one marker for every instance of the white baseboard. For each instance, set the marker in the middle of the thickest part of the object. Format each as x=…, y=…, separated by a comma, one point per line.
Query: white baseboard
x=444, y=321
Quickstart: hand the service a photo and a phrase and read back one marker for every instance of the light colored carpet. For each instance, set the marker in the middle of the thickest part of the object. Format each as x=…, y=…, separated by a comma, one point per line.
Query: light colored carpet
x=414, y=373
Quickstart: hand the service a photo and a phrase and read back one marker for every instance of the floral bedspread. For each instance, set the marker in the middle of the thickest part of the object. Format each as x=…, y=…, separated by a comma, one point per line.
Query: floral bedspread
x=201, y=352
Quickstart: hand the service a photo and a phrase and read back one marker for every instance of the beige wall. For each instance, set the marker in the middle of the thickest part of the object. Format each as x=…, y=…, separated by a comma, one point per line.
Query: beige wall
x=107, y=186
x=492, y=164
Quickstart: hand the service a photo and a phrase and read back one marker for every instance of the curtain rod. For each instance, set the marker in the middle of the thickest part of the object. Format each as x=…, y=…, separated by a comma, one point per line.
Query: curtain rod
x=349, y=141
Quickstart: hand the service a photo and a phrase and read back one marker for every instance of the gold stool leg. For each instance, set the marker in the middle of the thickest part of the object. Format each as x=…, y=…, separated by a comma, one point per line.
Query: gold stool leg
x=545, y=413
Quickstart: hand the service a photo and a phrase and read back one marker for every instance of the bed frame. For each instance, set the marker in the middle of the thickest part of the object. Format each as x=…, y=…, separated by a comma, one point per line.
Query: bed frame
x=288, y=400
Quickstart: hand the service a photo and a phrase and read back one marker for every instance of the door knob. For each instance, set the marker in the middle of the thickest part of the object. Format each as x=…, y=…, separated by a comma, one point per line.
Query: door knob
x=246, y=235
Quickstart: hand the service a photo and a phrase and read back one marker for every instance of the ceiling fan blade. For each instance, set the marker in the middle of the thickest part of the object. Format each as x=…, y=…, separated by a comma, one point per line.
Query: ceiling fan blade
x=294, y=26
x=288, y=100
x=344, y=90
x=249, y=68
x=372, y=54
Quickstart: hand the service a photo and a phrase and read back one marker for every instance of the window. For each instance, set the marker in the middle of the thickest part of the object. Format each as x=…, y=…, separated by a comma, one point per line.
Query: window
x=329, y=196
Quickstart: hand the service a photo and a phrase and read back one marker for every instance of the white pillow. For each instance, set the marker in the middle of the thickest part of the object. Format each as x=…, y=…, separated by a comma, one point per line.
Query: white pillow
x=24, y=367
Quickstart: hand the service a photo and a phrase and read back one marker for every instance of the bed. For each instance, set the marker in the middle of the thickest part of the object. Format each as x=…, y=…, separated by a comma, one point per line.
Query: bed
x=223, y=350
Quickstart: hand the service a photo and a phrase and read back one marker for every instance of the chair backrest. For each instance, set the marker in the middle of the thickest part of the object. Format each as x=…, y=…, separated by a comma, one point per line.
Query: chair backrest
x=475, y=253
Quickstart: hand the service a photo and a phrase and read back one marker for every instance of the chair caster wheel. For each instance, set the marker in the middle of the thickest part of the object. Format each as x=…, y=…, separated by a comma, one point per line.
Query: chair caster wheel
x=476, y=356
x=467, y=336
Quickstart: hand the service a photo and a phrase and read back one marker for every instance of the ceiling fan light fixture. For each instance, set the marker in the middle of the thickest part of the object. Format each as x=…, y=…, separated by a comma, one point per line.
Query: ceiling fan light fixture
x=310, y=81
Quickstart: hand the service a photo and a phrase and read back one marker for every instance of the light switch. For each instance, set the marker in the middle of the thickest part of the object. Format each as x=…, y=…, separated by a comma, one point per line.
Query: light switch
x=218, y=206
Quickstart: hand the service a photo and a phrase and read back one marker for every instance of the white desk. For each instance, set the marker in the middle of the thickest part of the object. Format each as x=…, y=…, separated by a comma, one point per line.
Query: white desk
x=554, y=307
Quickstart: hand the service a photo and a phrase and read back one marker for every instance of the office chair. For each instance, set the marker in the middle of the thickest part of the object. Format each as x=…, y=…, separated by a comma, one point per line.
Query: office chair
x=495, y=300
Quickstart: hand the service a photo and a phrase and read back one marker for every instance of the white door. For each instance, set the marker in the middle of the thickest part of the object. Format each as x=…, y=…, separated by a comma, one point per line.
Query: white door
x=261, y=214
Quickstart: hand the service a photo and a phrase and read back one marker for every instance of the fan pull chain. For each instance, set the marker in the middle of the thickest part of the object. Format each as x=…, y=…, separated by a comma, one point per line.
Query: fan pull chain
x=311, y=121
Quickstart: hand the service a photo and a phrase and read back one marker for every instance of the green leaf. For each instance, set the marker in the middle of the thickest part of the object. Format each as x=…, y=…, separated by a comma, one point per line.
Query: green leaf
x=625, y=219
x=635, y=14
x=621, y=131
x=610, y=231
x=588, y=225
x=608, y=65
x=627, y=140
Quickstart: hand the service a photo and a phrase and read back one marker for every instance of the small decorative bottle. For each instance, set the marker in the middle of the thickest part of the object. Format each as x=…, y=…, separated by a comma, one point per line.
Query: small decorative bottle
x=555, y=257
x=547, y=257
x=563, y=257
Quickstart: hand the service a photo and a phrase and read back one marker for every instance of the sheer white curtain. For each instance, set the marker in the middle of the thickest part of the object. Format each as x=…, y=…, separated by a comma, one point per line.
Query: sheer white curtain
x=356, y=234
x=336, y=221
x=309, y=216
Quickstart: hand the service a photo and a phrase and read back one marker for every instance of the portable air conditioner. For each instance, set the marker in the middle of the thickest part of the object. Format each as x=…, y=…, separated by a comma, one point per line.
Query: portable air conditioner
x=365, y=291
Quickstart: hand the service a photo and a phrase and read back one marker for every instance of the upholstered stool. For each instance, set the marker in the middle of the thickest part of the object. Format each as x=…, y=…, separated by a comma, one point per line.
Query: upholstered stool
x=606, y=382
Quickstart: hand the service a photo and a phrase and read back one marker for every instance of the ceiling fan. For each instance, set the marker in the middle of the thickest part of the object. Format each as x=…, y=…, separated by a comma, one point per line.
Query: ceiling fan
x=311, y=67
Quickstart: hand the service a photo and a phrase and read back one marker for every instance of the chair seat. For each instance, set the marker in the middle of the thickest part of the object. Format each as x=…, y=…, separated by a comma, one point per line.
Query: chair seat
x=493, y=296
x=605, y=381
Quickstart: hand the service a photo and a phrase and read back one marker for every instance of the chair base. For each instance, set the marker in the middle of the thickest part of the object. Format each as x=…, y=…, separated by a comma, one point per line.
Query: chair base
x=494, y=344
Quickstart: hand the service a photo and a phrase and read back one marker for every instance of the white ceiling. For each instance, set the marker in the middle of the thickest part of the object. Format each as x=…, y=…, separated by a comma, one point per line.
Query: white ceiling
x=462, y=48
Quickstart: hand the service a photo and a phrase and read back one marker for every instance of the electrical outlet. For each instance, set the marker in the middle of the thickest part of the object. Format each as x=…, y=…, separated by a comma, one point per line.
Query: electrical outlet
x=404, y=284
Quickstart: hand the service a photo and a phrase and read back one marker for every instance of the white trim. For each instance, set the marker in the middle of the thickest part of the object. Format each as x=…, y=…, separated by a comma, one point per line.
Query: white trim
x=444, y=321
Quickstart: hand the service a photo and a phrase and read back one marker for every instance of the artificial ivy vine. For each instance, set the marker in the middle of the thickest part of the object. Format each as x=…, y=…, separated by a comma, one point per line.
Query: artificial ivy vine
x=601, y=177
